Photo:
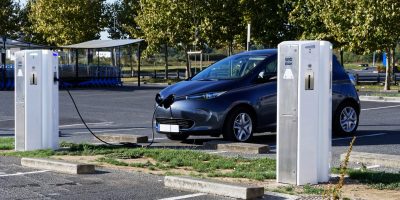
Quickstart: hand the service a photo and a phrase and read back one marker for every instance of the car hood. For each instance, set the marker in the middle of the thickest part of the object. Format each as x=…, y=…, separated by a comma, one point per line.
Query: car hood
x=185, y=88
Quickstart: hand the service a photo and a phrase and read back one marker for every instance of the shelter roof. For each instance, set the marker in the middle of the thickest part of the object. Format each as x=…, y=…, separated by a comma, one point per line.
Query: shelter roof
x=97, y=44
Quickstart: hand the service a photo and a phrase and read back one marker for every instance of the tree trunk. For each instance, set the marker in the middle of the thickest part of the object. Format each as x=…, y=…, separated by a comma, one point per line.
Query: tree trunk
x=166, y=61
x=341, y=57
x=188, y=70
x=388, y=69
x=230, y=48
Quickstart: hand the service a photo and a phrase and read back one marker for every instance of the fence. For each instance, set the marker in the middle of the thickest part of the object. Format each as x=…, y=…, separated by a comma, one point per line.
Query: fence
x=375, y=78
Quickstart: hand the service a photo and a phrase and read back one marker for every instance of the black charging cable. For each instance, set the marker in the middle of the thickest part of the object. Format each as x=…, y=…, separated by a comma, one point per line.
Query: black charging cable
x=90, y=130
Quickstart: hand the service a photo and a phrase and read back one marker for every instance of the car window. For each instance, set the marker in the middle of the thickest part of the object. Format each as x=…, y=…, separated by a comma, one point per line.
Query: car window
x=231, y=68
x=267, y=71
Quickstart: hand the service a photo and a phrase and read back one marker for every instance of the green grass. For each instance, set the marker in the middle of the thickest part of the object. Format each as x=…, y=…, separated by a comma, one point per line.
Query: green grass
x=309, y=189
x=166, y=159
x=6, y=143
x=378, y=180
x=285, y=189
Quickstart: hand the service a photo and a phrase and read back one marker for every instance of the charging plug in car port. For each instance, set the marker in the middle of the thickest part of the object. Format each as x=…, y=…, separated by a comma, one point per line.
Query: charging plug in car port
x=167, y=102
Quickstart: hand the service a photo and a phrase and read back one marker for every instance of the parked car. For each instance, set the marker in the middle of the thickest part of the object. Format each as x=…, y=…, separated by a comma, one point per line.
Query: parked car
x=236, y=97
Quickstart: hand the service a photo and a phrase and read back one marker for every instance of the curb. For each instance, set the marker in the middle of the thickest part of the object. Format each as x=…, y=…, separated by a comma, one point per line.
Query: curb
x=248, y=148
x=58, y=166
x=379, y=98
x=123, y=138
x=213, y=187
x=385, y=160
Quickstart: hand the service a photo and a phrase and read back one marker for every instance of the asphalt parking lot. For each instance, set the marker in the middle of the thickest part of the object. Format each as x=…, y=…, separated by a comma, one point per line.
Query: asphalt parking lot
x=129, y=110
x=17, y=182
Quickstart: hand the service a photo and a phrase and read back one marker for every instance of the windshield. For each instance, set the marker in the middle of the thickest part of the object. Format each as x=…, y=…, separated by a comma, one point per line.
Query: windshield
x=232, y=67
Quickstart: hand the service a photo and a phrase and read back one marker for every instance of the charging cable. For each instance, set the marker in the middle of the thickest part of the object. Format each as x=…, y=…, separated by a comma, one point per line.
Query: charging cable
x=90, y=130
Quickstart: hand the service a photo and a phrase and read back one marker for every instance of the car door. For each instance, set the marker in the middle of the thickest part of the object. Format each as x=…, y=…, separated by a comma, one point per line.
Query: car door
x=265, y=89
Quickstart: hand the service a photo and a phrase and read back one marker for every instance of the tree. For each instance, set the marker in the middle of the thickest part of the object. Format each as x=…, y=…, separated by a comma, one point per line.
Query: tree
x=66, y=22
x=358, y=25
x=269, y=21
x=9, y=10
x=222, y=23
x=121, y=19
x=168, y=23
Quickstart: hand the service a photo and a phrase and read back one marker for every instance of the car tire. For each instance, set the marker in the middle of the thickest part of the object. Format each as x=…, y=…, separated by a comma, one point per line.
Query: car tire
x=177, y=137
x=346, y=118
x=239, y=125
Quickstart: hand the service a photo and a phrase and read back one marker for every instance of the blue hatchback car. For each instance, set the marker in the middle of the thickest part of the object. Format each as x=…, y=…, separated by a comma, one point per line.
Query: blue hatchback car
x=236, y=97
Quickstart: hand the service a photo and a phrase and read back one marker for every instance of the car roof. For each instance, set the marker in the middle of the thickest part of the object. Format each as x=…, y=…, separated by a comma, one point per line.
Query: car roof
x=260, y=52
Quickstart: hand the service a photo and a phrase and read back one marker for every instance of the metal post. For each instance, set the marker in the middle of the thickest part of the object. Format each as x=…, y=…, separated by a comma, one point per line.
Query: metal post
x=138, y=64
x=130, y=59
x=248, y=36
x=201, y=61
x=76, y=64
x=3, y=61
x=119, y=62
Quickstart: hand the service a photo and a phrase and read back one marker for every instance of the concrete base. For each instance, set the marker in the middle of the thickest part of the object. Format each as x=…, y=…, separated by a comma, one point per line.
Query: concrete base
x=58, y=166
x=239, y=147
x=384, y=160
x=123, y=138
x=213, y=187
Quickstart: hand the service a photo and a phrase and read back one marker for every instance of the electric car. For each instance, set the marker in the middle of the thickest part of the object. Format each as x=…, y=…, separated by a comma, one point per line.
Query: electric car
x=236, y=97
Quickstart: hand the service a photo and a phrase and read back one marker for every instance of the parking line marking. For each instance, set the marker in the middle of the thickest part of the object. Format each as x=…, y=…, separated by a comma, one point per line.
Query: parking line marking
x=184, y=196
x=361, y=136
x=24, y=173
x=99, y=123
x=6, y=120
x=377, y=108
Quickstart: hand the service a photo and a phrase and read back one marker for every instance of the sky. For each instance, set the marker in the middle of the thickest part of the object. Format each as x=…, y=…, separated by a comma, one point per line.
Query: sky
x=103, y=35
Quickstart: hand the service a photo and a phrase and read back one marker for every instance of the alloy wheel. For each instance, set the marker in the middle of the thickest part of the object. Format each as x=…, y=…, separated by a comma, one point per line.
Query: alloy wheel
x=242, y=127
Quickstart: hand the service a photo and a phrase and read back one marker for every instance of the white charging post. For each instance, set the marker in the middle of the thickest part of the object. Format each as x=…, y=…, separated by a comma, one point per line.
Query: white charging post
x=36, y=100
x=304, y=112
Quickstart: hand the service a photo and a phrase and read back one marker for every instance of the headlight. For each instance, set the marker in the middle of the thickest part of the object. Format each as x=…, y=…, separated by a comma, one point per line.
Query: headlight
x=208, y=95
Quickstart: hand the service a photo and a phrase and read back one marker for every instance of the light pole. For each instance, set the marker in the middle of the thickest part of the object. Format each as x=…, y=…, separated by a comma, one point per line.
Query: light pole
x=248, y=36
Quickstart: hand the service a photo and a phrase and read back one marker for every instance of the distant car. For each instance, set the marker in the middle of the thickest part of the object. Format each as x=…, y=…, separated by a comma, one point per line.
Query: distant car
x=236, y=97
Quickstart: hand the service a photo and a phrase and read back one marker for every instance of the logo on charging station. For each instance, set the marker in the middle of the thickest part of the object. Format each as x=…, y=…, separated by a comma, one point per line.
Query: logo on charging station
x=288, y=71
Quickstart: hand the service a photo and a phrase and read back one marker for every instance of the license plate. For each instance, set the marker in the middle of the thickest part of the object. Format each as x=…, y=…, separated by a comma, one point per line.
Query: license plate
x=169, y=128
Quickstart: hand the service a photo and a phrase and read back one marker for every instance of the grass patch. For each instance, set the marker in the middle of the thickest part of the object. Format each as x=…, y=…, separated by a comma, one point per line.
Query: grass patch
x=377, y=180
x=6, y=143
x=285, y=189
x=309, y=189
x=199, y=163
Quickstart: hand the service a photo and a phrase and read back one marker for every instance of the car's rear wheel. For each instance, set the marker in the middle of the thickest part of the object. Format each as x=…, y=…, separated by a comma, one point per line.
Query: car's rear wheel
x=346, y=119
x=177, y=136
x=239, y=125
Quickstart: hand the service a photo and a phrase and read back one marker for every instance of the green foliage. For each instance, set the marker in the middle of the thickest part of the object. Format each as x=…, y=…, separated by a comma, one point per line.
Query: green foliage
x=121, y=22
x=378, y=180
x=309, y=189
x=6, y=143
x=269, y=21
x=66, y=22
x=9, y=13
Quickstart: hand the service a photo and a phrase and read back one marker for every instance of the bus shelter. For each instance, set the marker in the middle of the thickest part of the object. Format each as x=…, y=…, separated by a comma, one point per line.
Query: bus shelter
x=100, y=62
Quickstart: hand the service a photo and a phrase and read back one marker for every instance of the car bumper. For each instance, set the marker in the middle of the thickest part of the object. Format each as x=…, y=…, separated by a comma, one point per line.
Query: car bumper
x=195, y=117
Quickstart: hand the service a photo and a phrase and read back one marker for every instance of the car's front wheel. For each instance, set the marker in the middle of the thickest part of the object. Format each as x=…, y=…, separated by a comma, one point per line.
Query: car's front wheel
x=346, y=119
x=239, y=125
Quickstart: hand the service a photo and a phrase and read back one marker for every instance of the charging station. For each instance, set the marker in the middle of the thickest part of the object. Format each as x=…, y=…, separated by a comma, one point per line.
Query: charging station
x=36, y=100
x=304, y=115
